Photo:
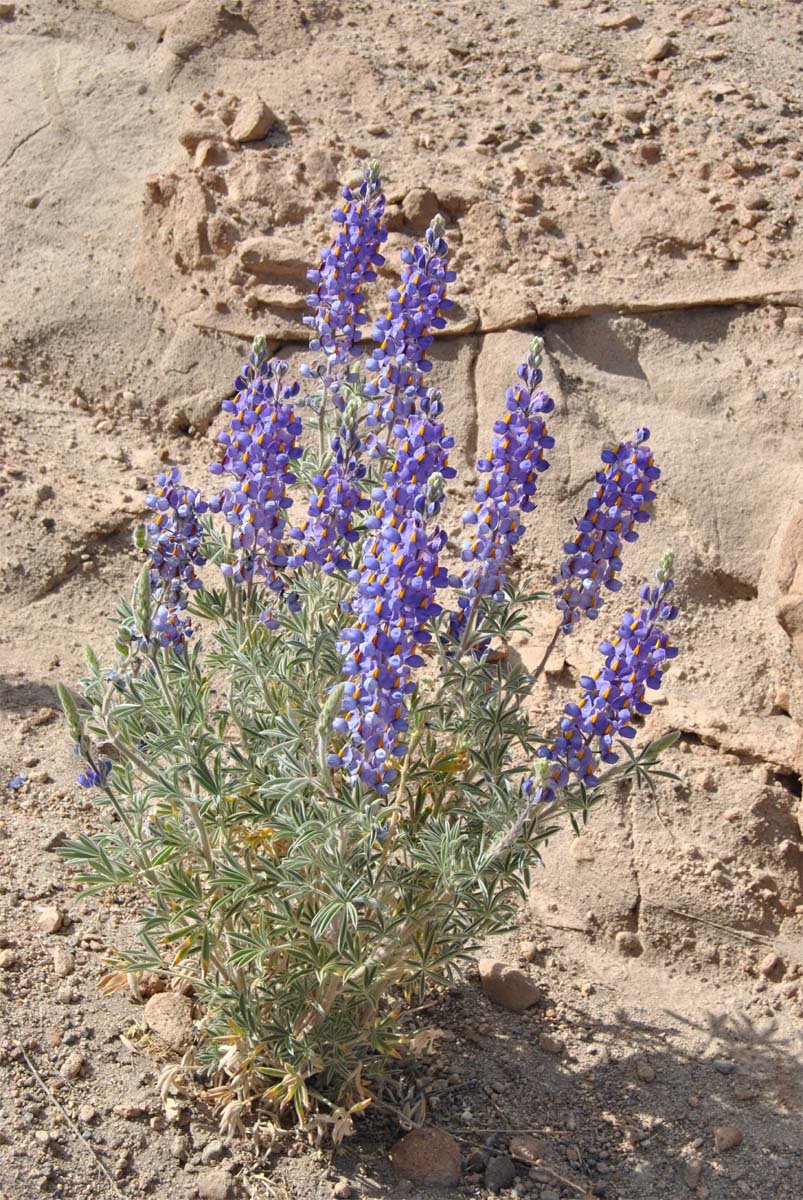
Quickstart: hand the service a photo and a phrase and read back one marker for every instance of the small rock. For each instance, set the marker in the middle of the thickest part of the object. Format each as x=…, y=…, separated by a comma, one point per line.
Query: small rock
x=53, y=843
x=526, y=1148
x=773, y=967
x=130, y=1112
x=754, y=200
x=645, y=1071
x=629, y=944
x=7, y=10
x=727, y=1137
x=692, y=1171
x=509, y=987
x=565, y=64
x=66, y=994
x=169, y=1016
x=212, y=1151
x=63, y=962
x=650, y=152
x=529, y=951
x=253, y=120
x=8, y=959
x=181, y=1147
x=214, y=1185
x=550, y=1044
x=500, y=1173
x=428, y=1156
x=87, y=1114
x=73, y=1065
x=625, y=20
x=50, y=919
x=724, y=1066
x=342, y=1190
x=657, y=48
x=420, y=205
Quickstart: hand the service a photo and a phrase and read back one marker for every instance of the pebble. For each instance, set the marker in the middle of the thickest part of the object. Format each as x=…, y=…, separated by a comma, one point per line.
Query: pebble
x=645, y=1071
x=428, y=1156
x=87, y=1113
x=57, y=839
x=526, y=1148
x=565, y=64
x=50, y=919
x=214, y=1185
x=73, y=1065
x=626, y=20
x=507, y=986
x=692, y=1170
x=499, y=1173
x=727, y=1137
x=63, y=962
x=8, y=959
x=550, y=1044
x=342, y=1190
x=212, y=1151
x=724, y=1066
x=253, y=120
x=169, y=1016
x=772, y=966
x=7, y=10
x=657, y=48
x=629, y=944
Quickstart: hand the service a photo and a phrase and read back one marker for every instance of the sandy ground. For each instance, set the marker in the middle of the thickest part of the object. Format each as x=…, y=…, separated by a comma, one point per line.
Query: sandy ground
x=628, y=182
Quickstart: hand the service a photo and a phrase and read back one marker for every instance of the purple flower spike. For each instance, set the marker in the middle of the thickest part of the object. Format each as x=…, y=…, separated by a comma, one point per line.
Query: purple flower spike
x=258, y=450
x=612, y=516
x=174, y=535
x=346, y=266
x=336, y=501
x=403, y=337
x=394, y=601
x=517, y=458
x=634, y=664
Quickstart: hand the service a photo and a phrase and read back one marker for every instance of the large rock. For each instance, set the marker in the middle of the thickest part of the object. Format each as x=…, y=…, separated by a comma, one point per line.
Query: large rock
x=169, y=1016
x=428, y=1156
x=507, y=986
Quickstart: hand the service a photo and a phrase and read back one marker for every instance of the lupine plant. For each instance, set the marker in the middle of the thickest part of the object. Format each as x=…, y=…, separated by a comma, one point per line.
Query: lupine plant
x=321, y=773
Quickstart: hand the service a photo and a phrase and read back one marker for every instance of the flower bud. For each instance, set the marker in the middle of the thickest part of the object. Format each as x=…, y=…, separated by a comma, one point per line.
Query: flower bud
x=666, y=566
x=143, y=607
x=141, y=537
x=91, y=659
x=535, y=353
x=73, y=717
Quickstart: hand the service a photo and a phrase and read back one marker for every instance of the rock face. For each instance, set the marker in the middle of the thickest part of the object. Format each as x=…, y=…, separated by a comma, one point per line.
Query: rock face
x=509, y=987
x=643, y=214
x=428, y=1156
x=169, y=1016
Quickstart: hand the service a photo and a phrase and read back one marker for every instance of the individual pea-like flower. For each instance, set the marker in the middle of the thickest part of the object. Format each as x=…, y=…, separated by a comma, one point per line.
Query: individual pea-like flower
x=399, y=362
x=258, y=450
x=634, y=663
x=517, y=457
x=337, y=501
x=96, y=774
x=347, y=265
x=393, y=603
x=613, y=513
x=173, y=537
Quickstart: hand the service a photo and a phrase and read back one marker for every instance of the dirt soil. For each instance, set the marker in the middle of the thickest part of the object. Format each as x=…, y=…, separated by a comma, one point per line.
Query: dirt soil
x=627, y=180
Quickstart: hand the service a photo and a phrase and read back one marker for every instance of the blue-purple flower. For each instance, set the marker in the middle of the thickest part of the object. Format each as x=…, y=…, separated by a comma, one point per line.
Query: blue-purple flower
x=634, y=663
x=416, y=307
x=393, y=604
x=95, y=775
x=511, y=470
x=613, y=513
x=174, y=535
x=337, y=501
x=258, y=450
x=346, y=266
